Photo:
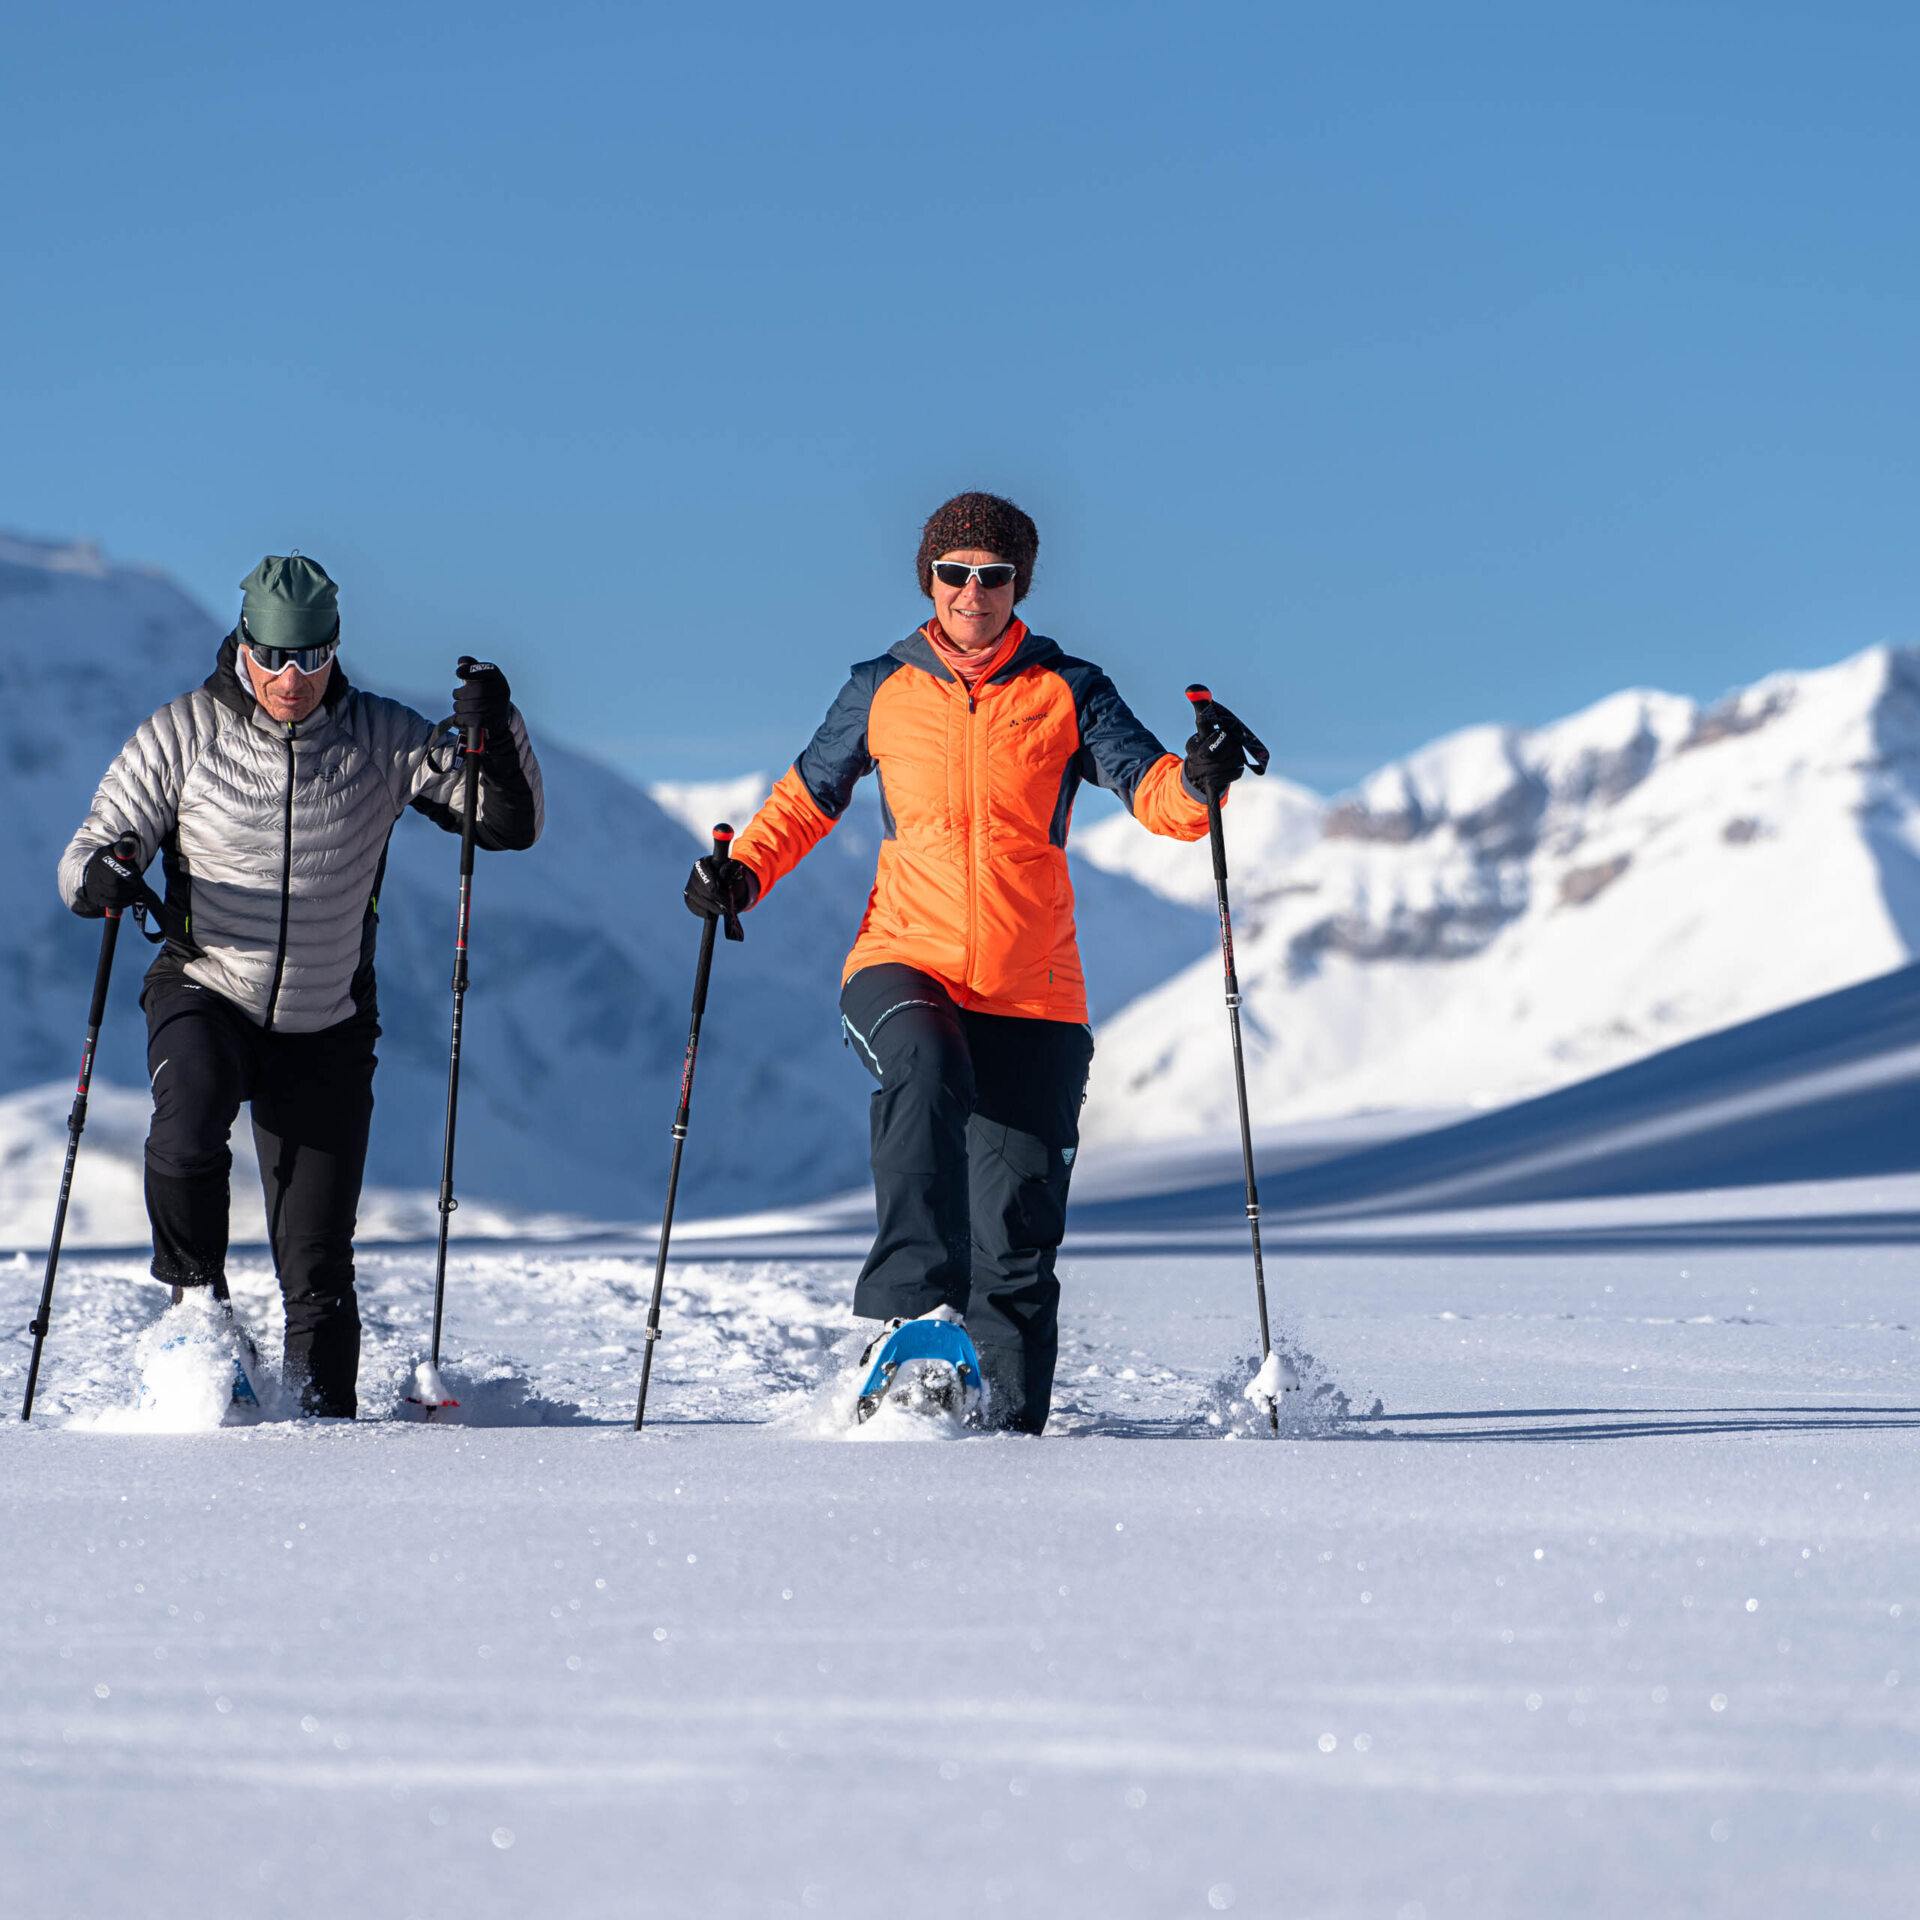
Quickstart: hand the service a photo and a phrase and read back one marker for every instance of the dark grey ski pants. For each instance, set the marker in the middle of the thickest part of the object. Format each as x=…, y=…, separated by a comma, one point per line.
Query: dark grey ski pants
x=312, y=1096
x=975, y=1127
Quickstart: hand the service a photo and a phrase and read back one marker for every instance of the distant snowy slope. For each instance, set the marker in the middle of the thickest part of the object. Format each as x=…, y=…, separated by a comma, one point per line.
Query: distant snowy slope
x=1274, y=823
x=109, y=1208
x=1506, y=911
x=1823, y=1091
x=701, y=805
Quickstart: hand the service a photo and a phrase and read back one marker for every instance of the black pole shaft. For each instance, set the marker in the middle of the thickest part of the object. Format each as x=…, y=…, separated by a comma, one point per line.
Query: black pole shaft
x=722, y=840
x=471, y=742
x=1240, y=1077
x=76, y=1125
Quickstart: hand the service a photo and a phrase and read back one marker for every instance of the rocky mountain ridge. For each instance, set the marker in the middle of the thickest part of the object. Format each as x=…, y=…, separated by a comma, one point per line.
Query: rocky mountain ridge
x=1508, y=909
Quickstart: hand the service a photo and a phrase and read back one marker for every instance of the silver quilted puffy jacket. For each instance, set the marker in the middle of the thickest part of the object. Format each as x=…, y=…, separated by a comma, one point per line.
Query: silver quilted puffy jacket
x=275, y=837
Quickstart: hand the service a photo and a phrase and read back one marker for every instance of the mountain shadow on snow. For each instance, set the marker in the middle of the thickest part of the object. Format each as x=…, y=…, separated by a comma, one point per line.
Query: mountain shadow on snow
x=1829, y=1089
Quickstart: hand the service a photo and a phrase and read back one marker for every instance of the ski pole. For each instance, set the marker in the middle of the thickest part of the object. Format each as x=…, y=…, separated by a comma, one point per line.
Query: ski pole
x=127, y=848
x=473, y=741
x=722, y=840
x=1210, y=718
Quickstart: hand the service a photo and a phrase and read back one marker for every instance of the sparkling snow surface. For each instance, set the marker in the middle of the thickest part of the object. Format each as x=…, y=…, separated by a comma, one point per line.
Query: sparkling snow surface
x=1611, y=1609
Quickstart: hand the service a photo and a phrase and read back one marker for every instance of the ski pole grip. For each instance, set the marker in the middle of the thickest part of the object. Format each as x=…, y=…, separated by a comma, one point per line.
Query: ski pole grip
x=126, y=848
x=1203, y=719
x=723, y=850
x=474, y=739
x=1204, y=715
x=1207, y=714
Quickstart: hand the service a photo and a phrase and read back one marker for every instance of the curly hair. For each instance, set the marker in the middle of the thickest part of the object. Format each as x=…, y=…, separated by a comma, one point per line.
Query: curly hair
x=983, y=522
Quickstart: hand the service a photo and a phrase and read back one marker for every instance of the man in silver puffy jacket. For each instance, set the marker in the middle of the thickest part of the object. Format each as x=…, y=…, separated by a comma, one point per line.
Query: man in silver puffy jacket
x=270, y=792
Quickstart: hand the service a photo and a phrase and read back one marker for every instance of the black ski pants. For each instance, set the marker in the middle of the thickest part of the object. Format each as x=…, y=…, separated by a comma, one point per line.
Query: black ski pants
x=975, y=1127
x=312, y=1096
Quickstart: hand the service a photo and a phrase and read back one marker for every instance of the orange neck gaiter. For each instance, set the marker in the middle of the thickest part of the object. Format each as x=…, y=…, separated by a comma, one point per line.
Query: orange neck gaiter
x=970, y=669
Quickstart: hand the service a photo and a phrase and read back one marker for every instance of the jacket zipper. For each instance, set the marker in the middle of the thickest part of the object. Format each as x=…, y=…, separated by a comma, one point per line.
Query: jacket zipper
x=286, y=890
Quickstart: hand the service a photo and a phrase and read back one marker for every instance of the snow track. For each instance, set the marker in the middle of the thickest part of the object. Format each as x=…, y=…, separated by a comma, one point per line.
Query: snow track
x=552, y=1336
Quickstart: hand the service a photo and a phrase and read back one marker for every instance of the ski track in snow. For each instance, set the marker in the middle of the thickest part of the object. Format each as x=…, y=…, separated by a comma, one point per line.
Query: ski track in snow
x=1609, y=1609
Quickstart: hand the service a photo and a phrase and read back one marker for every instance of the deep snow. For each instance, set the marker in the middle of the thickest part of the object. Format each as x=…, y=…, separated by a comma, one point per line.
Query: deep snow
x=1609, y=1611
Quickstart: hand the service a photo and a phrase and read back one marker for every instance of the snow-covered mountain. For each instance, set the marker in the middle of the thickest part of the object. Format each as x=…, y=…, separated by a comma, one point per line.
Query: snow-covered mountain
x=1506, y=911
x=1275, y=822
x=582, y=953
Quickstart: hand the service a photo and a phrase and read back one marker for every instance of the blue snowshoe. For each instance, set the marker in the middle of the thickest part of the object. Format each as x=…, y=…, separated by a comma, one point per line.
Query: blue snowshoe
x=246, y=1356
x=243, y=1393
x=942, y=1367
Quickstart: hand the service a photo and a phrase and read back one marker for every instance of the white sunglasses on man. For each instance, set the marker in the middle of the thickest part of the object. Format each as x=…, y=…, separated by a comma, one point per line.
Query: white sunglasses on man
x=273, y=661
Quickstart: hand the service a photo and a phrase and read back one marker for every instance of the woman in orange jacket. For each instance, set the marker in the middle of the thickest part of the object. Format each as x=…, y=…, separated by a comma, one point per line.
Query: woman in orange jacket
x=963, y=993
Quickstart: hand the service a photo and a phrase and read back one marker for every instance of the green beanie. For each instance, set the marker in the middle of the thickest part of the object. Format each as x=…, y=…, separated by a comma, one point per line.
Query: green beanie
x=290, y=602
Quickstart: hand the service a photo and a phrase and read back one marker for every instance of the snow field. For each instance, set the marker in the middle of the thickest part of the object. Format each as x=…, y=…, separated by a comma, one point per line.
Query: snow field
x=1609, y=1612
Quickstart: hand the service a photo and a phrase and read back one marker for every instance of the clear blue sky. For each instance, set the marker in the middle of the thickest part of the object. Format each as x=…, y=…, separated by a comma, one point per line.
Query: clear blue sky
x=1391, y=366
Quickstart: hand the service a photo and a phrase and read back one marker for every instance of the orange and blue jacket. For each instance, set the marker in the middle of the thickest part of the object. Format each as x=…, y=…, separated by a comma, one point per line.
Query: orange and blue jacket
x=976, y=795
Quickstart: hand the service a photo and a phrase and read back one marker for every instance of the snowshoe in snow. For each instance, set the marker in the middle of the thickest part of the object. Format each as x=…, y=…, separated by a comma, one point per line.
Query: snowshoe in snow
x=217, y=1339
x=246, y=1357
x=929, y=1365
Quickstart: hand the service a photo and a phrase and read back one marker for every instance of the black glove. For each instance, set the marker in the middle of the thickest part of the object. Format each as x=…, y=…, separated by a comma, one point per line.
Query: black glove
x=484, y=700
x=721, y=888
x=112, y=883
x=1215, y=760
x=1223, y=749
